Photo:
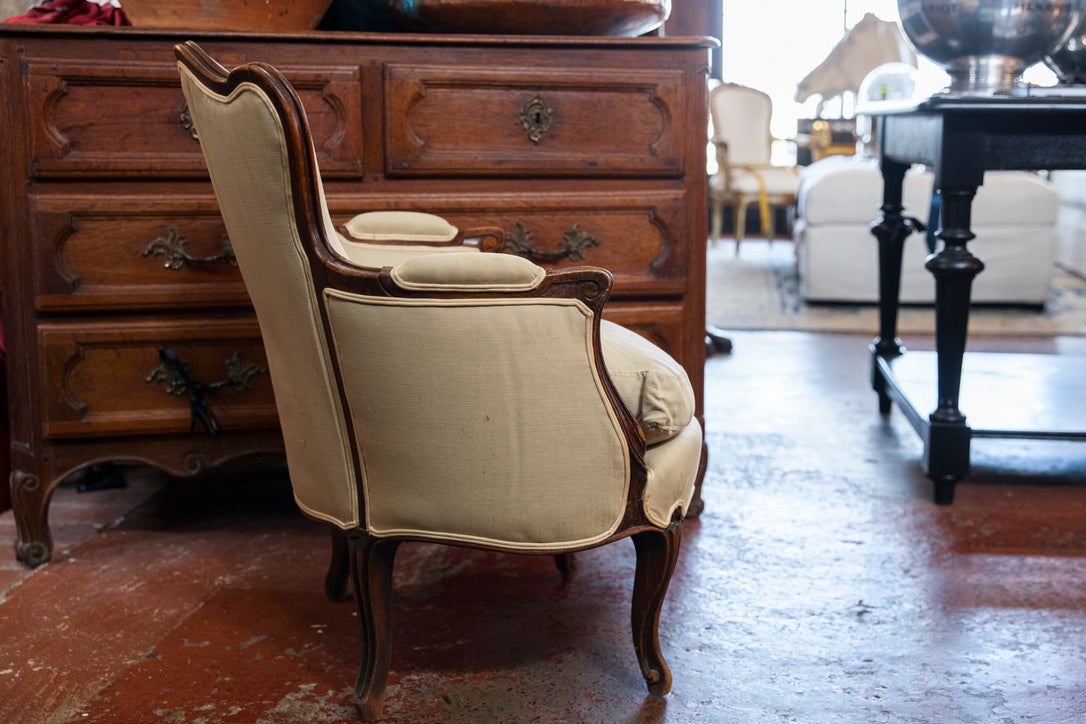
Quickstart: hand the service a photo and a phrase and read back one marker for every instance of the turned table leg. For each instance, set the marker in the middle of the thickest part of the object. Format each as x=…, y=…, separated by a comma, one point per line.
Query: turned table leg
x=954, y=267
x=891, y=230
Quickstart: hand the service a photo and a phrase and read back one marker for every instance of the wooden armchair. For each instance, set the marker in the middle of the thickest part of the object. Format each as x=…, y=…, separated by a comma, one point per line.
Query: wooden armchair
x=533, y=427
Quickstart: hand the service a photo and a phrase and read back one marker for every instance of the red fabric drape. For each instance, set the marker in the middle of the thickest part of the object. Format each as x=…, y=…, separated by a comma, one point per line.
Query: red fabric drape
x=73, y=12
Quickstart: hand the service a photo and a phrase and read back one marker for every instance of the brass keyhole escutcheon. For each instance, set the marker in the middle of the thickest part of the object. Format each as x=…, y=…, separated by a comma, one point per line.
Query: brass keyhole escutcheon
x=536, y=117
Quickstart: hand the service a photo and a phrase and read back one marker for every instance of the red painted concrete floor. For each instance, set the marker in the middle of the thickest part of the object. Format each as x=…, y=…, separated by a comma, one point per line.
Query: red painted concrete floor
x=820, y=585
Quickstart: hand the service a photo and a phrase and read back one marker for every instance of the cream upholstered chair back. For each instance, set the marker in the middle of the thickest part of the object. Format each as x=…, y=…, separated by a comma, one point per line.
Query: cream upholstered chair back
x=271, y=202
x=741, y=118
x=472, y=399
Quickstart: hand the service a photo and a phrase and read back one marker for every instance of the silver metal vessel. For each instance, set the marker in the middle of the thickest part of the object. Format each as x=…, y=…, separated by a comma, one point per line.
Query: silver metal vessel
x=1068, y=61
x=986, y=44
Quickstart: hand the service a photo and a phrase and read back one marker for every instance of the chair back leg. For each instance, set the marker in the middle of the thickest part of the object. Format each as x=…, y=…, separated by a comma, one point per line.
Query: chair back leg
x=566, y=565
x=339, y=570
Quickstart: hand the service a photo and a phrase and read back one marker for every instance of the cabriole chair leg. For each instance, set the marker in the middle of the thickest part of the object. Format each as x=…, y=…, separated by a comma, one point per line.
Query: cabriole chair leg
x=657, y=552
x=371, y=566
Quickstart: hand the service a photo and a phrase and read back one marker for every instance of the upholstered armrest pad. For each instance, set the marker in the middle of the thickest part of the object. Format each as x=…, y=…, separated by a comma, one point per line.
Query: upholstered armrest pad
x=653, y=386
x=404, y=226
x=468, y=272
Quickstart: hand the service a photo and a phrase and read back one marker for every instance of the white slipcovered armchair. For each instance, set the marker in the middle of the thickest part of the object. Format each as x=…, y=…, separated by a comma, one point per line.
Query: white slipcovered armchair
x=531, y=427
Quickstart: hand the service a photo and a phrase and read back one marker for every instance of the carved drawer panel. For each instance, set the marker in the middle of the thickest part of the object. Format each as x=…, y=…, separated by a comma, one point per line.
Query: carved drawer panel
x=545, y=122
x=108, y=378
x=118, y=251
x=666, y=325
x=637, y=235
x=76, y=111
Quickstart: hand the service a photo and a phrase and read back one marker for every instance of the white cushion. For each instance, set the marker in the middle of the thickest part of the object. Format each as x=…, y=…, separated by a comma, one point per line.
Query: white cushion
x=777, y=180
x=652, y=385
x=842, y=189
x=1071, y=187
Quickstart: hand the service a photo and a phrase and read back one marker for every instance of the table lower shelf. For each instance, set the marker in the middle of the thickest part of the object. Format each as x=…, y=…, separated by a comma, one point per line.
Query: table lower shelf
x=1002, y=395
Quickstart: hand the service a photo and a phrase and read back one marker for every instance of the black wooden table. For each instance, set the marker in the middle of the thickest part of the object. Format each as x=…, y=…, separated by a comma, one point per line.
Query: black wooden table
x=960, y=138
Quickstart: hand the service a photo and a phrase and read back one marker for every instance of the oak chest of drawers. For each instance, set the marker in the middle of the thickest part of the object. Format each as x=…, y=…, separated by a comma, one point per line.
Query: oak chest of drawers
x=117, y=278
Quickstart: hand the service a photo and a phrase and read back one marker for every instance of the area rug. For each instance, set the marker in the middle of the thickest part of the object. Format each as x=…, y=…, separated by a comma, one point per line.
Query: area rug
x=759, y=289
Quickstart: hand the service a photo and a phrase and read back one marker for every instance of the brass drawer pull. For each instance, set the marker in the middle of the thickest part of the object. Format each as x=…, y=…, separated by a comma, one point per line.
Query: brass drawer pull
x=574, y=241
x=535, y=116
x=185, y=119
x=174, y=372
x=174, y=247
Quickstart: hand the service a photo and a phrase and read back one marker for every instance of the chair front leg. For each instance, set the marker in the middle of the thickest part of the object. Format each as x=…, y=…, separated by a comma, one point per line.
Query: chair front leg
x=740, y=222
x=657, y=552
x=371, y=566
x=716, y=226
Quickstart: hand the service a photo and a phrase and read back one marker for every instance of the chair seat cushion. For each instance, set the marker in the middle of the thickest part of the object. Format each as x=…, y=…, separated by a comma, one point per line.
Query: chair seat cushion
x=652, y=385
x=673, y=471
x=777, y=179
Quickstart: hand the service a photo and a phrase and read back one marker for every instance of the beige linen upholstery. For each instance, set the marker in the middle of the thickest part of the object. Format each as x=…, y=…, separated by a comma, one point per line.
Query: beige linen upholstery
x=492, y=376
x=654, y=386
x=243, y=140
x=463, y=398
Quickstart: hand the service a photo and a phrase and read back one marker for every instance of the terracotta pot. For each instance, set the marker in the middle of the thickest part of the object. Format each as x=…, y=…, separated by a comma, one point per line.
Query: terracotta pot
x=226, y=14
x=533, y=17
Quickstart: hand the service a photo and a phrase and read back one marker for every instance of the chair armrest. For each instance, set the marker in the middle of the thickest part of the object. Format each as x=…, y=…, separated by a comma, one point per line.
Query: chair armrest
x=468, y=273
x=405, y=227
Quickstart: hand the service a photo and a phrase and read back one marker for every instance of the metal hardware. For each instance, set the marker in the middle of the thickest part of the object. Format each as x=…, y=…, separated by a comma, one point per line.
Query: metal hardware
x=574, y=241
x=174, y=373
x=185, y=118
x=536, y=117
x=174, y=248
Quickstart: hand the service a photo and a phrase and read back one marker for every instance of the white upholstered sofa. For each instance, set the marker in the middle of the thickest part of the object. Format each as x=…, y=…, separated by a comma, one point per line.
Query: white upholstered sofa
x=1071, y=189
x=1014, y=218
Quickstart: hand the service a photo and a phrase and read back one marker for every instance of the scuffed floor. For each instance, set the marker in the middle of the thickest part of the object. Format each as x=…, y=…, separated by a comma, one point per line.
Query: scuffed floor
x=820, y=585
